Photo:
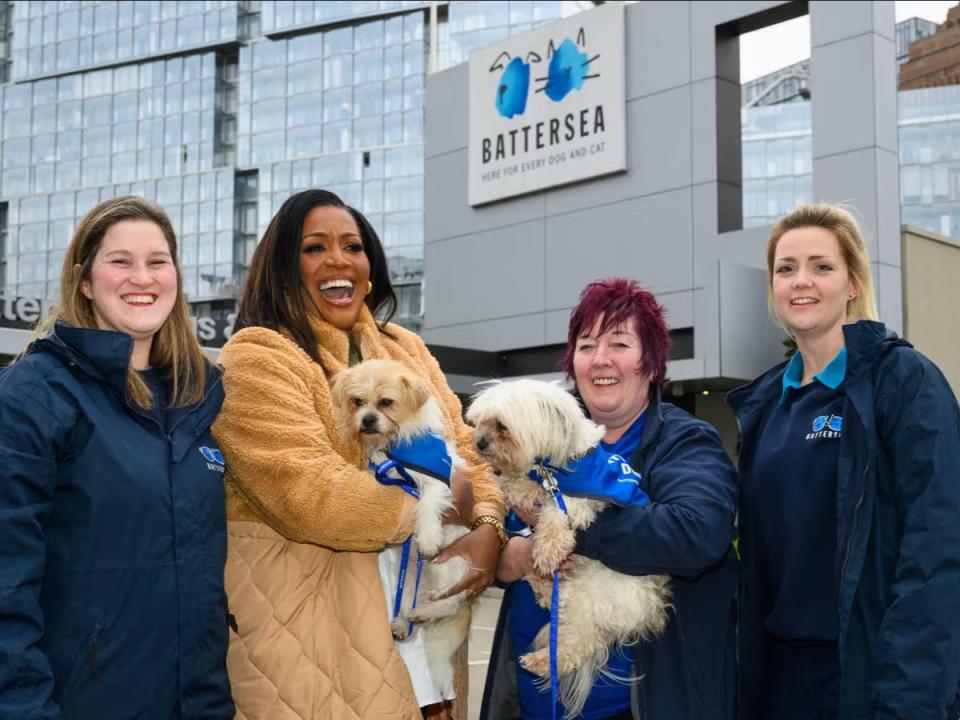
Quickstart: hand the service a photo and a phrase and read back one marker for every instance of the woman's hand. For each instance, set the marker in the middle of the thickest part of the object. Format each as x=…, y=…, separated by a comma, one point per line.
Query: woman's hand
x=462, y=509
x=481, y=549
x=516, y=561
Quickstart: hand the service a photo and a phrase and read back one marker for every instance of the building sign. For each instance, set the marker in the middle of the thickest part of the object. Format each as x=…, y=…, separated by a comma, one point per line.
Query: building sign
x=21, y=313
x=547, y=107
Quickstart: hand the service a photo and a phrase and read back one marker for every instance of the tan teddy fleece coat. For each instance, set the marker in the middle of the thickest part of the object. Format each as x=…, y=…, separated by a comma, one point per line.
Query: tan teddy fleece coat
x=305, y=520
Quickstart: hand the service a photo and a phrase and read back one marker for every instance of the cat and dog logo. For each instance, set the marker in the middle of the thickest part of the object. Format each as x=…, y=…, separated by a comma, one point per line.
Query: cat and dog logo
x=826, y=426
x=214, y=458
x=568, y=70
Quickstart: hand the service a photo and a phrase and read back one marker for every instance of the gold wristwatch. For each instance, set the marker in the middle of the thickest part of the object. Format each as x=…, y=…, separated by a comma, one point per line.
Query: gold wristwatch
x=497, y=525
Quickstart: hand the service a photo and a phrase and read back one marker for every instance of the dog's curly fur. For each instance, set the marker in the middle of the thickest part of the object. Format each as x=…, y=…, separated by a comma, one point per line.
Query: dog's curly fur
x=516, y=423
x=379, y=402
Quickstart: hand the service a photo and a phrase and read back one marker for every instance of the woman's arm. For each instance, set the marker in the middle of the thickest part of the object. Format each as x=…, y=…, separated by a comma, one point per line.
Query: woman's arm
x=916, y=658
x=28, y=475
x=486, y=495
x=688, y=525
x=285, y=456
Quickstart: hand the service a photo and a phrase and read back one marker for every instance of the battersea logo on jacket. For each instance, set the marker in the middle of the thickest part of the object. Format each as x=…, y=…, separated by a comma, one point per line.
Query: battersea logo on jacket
x=214, y=458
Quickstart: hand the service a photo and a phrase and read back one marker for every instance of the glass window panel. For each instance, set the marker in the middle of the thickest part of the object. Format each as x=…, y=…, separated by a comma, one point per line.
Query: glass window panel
x=413, y=26
x=337, y=71
x=337, y=104
x=207, y=222
x=44, y=149
x=125, y=106
x=60, y=234
x=305, y=47
x=368, y=132
x=336, y=136
x=403, y=194
x=69, y=116
x=172, y=98
x=413, y=57
x=304, y=109
x=392, y=96
x=95, y=170
x=224, y=215
x=96, y=140
x=413, y=92
x=267, y=146
x=124, y=166
x=368, y=66
x=393, y=30
x=336, y=42
x=373, y=197
x=44, y=120
x=393, y=128
x=33, y=209
x=413, y=126
x=303, y=141
x=301, y=175
x=17, y=122
x=16, y=181
x=369, y=35
x=16, y=152
x=368, y=100
x=67, y=174
x=97, y=111
x=269, y=83
x=67, y=54
x=304, y=78
x=402, y=161
x=393, y=62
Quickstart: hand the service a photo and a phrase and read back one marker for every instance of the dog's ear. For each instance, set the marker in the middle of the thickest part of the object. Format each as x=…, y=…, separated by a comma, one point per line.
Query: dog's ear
x=416, y=388
x=341, y=405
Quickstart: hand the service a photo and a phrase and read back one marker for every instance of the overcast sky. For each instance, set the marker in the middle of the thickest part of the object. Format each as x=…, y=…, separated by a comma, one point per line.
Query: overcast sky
x=784, y=44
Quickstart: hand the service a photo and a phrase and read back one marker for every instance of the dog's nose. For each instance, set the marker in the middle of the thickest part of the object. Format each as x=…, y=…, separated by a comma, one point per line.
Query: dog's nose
x=369, y=420
x=482, y=443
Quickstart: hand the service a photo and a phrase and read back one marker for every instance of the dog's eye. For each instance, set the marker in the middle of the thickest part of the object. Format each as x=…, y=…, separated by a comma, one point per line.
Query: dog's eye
x=385, y=403
x=501, y=428
x=358, y=402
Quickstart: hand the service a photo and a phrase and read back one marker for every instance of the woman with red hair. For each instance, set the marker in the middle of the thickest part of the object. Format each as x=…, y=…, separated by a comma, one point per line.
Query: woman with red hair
x=679, y=524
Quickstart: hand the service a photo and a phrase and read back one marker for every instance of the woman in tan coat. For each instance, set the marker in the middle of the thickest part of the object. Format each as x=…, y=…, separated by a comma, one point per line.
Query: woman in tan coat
x=310, y=635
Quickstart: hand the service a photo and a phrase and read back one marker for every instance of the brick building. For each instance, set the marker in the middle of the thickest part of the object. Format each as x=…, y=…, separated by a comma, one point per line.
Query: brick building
x=935, y=60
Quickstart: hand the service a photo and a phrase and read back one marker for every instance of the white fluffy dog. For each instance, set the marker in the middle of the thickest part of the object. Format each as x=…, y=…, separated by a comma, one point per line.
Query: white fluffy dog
x=517, y=423
x=378, y=403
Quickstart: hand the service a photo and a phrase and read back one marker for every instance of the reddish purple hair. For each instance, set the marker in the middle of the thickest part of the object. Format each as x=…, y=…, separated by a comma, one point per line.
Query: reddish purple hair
x=617, y=300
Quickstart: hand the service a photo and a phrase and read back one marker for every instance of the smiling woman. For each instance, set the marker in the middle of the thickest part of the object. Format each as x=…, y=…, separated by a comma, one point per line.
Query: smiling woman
x=112, y=526
x=306, y=516
x=850, y=484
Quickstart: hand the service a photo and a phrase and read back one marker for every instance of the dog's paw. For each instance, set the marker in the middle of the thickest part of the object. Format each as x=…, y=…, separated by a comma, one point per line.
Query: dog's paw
x=430, y=542
x=537, y=662
x=400, y=628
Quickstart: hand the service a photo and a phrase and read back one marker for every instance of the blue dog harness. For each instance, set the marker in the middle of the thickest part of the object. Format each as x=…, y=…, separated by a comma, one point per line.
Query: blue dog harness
x=406, y=483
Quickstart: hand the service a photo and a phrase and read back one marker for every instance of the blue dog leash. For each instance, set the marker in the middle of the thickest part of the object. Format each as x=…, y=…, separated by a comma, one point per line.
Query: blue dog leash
x=406, y=483
x=543, y=472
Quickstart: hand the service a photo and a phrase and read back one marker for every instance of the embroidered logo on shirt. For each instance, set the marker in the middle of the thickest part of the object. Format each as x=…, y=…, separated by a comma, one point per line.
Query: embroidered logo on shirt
x=214, y=458
x=826, y=426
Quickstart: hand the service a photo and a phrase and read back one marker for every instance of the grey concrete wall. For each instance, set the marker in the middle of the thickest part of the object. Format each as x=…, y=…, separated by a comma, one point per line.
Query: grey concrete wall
x=505, y=275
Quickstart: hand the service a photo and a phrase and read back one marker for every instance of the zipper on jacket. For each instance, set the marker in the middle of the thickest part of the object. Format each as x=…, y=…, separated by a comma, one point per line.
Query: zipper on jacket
x=853, y=529
x=92, y=659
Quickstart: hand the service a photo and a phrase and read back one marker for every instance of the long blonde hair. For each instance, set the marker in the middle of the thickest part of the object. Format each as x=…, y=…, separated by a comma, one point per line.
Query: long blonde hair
x=845, y=228
x=175, y=349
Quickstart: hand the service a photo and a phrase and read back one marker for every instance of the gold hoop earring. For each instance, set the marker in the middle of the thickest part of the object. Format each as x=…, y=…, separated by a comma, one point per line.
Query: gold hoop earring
x=369, y=287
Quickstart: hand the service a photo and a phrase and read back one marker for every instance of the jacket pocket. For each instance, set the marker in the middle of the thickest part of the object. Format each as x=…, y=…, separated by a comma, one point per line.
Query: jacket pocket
x=85, y=665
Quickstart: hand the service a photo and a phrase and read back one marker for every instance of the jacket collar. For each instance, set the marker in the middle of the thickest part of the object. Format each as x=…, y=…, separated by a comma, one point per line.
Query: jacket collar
x=333, y=344
x=101, y=354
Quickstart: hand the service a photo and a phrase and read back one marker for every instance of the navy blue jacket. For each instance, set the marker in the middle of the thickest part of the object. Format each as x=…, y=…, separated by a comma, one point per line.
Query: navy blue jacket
x=685, y=531
x=112, y=542
x=898, y=534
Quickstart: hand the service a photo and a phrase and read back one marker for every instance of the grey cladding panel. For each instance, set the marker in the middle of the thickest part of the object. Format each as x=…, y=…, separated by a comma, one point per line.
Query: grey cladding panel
x=649, y=239
x=487, y=275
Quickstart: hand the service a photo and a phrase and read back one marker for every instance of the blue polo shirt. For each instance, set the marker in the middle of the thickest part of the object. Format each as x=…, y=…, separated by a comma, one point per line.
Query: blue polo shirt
x=608, y=697
x=794, y=501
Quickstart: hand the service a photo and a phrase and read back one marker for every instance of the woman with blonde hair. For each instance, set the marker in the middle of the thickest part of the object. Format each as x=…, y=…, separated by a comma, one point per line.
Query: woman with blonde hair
x=849, y=522
x=112, y=523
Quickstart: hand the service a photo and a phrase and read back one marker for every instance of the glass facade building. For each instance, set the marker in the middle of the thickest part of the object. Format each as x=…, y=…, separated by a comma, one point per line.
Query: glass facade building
x=219, y=110
x=777, y=153
x=777, y=159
